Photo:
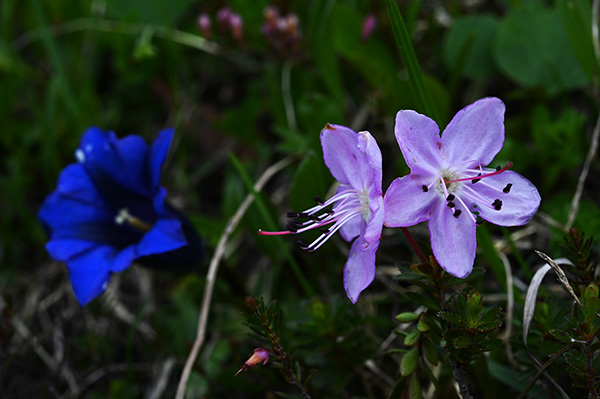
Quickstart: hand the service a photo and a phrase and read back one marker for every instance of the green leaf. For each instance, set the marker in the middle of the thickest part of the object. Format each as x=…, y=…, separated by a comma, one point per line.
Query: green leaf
x=506, y=375
x=532, y=49
x=270, y=223
x=451, y=318
x=485, y=242
x=409, y=58
x=160, y=13
x=422, y=325
x=468, y=45
x=427, y=301
x=308, y=181
x=320, y=32
x=414, y=388
x=430, y=351
x=461, y=342
x=412, y=338
x=409, y=362
x=371, y=58
x=576, y=16
x=407, y=317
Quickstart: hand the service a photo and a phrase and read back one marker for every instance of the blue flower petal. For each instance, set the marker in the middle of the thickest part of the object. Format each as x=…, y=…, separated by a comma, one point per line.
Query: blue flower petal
x=65, y=249
x=89, y=273
x=166, y=235
x=75, y=201
x=124, y=161
x=158, y=154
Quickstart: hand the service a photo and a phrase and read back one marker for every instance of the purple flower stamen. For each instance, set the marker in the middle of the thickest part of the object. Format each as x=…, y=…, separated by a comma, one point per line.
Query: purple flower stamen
x=347, y=205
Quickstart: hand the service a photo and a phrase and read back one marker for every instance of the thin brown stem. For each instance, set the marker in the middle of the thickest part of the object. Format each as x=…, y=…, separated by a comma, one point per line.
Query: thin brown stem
x=543, y=368
x=212, y=273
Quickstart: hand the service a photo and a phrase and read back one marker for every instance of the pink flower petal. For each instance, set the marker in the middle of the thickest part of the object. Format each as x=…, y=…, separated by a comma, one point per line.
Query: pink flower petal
x=475, y=133
x=353, y=158
x=518, y=205
x=405, y=202
x=419, y=139
x=359, y=271
x=453, y=239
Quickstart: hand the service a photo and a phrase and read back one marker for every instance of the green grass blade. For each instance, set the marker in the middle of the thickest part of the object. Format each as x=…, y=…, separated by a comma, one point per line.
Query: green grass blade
x=271, y=225
x=409, y=58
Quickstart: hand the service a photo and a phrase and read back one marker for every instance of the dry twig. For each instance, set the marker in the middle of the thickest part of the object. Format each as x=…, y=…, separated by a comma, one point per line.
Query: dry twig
x=213, y=269
x=595, y=136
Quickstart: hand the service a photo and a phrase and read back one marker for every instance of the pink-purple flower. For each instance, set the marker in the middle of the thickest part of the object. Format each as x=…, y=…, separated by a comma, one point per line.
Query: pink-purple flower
x=356, y=210
x=448, y=185
x=258, y=355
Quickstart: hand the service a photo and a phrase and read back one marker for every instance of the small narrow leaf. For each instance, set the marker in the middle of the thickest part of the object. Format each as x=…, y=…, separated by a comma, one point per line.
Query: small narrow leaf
x=412, y=338
x=407, y=317
x=409, y=362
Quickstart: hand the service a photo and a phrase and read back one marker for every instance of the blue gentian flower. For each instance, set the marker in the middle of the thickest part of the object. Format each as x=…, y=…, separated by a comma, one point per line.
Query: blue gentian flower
x=109, y=210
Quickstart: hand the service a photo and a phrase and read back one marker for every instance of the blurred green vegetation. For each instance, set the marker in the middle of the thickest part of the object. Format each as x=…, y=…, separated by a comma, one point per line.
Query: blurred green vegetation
x=136, y=67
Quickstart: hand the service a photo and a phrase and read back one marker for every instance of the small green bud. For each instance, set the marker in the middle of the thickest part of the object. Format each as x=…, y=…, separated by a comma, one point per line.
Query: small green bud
x=407, y=317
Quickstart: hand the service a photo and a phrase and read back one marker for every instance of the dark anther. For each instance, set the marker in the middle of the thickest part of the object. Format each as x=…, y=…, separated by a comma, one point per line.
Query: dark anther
x=479, y=221
x=498, y=168
x=324, y=230
x=451, y=204
x=292, y=214
x=457, y=213
x=476, y=180
x=450, y=197
x=302, y=215
x=292, y=228
x=302, y=244
x=497, y=204
x=297, y=222
x=507, y=188
x=318, y=200
x=315, y=218
x=329, y=211
x=425, y=189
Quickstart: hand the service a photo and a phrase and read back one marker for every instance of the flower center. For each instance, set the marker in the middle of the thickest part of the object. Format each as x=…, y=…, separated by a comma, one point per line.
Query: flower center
x=453, y=185
x=124, y=217
x=328, y=215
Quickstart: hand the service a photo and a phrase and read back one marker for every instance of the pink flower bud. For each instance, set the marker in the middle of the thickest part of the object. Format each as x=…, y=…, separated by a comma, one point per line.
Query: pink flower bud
x=205, y=25
x=292, y=24
x=237, y=26
x=223, y=18
x=271, y=14
x=369, y=24
x=259, y=355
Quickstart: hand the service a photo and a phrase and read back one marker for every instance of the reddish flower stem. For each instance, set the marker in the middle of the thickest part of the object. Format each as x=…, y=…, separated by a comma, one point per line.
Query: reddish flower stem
x=414, y=245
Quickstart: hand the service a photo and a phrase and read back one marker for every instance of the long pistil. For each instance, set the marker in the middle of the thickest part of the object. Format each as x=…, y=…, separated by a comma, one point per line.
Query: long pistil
x=479, y=177
x=346, y=205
